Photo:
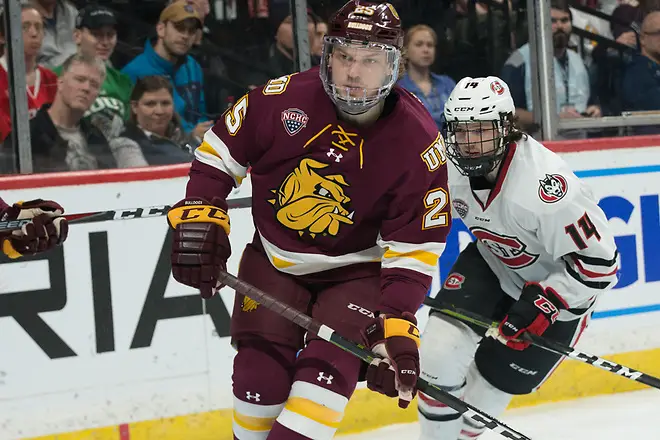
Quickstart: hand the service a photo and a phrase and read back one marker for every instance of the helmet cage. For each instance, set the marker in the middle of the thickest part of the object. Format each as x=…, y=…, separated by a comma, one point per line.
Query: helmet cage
x=345, y=98
x=472, y=165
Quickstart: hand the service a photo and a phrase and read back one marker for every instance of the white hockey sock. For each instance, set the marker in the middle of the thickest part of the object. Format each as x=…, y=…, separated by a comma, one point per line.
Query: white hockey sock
x=480, y=393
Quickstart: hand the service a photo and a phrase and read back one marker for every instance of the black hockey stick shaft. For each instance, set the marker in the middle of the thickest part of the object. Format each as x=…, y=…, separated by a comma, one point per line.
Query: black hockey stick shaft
x=328, y=334
x=117, y=214
x=547, y=344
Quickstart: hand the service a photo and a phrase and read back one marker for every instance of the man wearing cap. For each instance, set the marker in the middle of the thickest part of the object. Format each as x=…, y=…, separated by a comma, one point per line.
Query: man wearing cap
x=96, y=35
x=168, y=55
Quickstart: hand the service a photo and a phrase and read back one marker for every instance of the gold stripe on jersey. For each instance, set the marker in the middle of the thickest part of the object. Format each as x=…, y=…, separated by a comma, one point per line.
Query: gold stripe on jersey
x=214, y=152
x=252, y=423
x=314, y=411
x=422, y=258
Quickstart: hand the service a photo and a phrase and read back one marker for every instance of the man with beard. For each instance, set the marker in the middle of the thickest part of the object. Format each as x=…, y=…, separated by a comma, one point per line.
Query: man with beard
x=571, y=78
x=641, y=81
x=168, y=55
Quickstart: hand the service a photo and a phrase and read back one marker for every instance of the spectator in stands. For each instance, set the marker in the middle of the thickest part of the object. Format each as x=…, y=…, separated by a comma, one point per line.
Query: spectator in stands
x=61, y=139
x=432, y=89
x=571, y=77
x=41, y=82
x=169, y=56
x=610, y=61
x=317, y=45
x=203, y=9
x=96, y=35
x=59, y=23
x=153, y=129
x=216, y=95
x=280, y=55
x=630, y=14
x=641, y=81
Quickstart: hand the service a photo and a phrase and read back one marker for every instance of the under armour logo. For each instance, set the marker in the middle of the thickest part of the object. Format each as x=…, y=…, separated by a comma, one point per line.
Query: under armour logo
x=322, y=378
x=255, y=396
x=336, y=156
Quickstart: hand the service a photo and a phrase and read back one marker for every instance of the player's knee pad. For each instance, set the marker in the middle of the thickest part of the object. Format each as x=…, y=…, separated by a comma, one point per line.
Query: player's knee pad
x=261, y=385
x=325, y=379
x=446, y=351
x=482, y=394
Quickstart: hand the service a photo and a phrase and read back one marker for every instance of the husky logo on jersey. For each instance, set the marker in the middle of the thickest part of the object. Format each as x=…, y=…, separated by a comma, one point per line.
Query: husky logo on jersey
x=294, y=120
x=553, y=188
x=461, y=207
x=309, y=202
x=510, y=250
x=454, y=281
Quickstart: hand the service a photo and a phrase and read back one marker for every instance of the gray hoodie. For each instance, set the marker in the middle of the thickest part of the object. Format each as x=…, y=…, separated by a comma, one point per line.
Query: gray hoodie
x=58, y=42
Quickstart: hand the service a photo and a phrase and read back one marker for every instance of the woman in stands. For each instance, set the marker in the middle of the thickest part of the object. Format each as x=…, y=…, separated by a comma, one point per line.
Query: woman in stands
x=154, y=126
x=432, y=89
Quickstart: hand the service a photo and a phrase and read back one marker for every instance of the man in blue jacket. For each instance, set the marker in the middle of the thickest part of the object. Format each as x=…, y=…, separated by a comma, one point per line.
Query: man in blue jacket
x=167, y=56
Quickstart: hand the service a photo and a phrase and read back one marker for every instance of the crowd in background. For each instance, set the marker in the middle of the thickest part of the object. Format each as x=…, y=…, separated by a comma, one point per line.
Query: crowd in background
x=118, y=83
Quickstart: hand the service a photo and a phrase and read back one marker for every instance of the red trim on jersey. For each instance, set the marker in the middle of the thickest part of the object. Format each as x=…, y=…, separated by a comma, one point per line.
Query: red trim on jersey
x=583, y=327
x=591, y=274
x=430, y=401
x=501, y=175
x=470, y=433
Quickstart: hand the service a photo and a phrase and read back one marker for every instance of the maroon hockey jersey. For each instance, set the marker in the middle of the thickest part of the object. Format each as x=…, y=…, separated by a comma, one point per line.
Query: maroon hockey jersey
x=326, y=194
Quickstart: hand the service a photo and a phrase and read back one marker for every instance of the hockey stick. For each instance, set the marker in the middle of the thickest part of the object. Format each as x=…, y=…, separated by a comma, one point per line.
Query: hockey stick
x=546, y=344
x=119, y=214
x=328, y=334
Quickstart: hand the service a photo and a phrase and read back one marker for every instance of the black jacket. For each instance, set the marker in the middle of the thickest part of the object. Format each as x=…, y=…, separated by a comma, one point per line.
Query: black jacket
x=159, y=150
x=49, y=149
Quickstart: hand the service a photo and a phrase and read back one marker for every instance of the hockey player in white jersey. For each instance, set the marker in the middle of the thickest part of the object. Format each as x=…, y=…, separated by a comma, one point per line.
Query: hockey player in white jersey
x=543, y=254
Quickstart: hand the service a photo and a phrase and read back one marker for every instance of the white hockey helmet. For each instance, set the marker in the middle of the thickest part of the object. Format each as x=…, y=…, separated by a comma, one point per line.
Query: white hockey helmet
x=478, y=106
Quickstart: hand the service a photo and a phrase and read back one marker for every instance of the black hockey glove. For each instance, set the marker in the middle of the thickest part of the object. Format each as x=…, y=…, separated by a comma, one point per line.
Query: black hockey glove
x=534, y=312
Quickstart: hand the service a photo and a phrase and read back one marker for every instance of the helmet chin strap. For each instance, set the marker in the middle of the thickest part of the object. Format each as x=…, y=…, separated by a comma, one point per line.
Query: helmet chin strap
x=365, y=116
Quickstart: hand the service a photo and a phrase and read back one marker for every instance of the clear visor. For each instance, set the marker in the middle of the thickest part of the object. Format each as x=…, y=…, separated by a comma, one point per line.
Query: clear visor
x=358, y=75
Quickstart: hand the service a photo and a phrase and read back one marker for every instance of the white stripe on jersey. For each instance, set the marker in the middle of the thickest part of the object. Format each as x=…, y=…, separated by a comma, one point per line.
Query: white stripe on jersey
x=422, y=258
x=214, y=152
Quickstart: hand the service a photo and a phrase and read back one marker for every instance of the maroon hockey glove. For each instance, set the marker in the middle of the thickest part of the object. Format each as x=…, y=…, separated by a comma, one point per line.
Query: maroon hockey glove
x=396, y=339
x=46, y=230
x=534, y=312
x=200, y=245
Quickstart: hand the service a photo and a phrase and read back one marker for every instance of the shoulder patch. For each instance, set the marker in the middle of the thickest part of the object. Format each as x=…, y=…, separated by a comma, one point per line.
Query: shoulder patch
x=552, y=188
x=294, y=120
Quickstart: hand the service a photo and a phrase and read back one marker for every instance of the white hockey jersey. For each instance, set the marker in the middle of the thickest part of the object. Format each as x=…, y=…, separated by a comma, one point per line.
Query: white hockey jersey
x=539, y=223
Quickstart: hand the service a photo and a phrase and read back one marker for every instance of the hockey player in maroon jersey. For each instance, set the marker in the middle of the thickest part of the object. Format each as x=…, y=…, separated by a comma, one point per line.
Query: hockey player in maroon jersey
x=46, y=230
x=350, y=205
x=544, y=252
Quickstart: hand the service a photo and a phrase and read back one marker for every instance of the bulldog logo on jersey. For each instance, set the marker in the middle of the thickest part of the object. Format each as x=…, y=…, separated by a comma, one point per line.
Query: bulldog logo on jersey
x=553, y=188
x=510, y=250
x=454, y=281
x=461, y=207
x=309, y=202
x=294, y=120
